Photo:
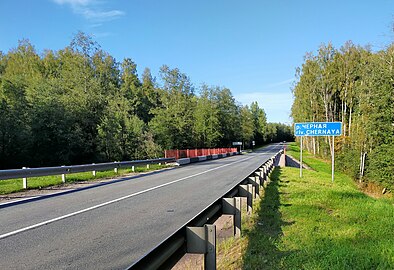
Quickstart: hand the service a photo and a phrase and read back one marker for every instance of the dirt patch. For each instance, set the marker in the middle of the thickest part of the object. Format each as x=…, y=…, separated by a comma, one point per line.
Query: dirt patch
x=375, y=191
x=292, y=162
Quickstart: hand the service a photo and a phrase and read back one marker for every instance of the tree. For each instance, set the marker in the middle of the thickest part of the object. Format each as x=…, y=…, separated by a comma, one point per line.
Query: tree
x=173, y=120
x=150, y=97
x=106, y=72
x=120, y=133
x=79, y=105
x=259, y=123
x=206, y=122
x=352, y=85
x=228, y=115
x=19, y=78
x=247, y=125
x=130, y=84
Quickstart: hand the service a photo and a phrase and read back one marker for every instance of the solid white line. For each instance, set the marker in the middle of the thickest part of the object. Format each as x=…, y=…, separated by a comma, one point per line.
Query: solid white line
x=114, y=201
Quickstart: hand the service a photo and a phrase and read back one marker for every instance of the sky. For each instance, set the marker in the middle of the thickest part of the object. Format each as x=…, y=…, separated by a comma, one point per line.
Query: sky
x=252, y=47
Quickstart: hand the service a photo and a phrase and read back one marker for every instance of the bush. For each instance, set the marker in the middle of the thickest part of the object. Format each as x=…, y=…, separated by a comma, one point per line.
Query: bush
x=380, y=165
x=349, y=162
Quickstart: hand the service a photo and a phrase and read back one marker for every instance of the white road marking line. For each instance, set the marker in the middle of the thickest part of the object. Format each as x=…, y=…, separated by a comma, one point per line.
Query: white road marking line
x=116, y=200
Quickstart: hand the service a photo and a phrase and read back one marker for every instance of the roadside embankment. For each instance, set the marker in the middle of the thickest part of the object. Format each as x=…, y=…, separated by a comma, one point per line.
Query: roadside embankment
x=312, y=223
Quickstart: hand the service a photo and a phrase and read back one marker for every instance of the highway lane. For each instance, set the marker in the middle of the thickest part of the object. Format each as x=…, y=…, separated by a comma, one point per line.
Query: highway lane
x=110, y=226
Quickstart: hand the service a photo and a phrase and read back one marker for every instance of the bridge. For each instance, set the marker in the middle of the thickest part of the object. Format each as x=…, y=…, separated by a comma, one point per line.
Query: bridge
x=111, y=226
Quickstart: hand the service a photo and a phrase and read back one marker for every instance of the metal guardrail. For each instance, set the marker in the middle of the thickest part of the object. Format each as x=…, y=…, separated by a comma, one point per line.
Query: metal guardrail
x=194, y=238
x=62, y=170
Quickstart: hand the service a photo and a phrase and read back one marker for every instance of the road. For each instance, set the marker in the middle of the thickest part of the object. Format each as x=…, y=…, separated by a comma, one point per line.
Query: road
x=111, y=226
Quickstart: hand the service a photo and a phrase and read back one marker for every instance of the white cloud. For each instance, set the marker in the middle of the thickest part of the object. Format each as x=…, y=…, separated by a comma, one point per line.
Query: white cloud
x=285, y=82
x=90, y=10
x=101, y=15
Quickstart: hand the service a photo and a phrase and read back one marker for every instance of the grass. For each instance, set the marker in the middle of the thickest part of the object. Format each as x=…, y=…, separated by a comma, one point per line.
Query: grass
x=16, y=185
x=312, y=223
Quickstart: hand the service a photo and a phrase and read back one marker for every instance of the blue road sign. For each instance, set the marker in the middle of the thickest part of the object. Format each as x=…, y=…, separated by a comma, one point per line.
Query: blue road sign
x=318, y=129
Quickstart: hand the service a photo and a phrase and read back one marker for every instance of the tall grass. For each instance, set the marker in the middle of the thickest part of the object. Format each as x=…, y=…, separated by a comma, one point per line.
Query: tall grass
x=312, y=223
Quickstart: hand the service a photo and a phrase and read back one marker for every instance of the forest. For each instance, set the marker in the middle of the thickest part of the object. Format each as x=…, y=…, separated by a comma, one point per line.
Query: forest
x=79, y=105
x=353, y=85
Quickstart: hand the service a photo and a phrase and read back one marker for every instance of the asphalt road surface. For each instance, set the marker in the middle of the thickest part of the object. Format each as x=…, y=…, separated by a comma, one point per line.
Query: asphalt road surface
x=111, y=226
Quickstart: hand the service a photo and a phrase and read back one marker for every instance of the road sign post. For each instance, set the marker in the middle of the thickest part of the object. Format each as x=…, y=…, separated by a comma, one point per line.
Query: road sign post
x=319, y=129
x=301, y=159
x=332, y=160
x=238, y=144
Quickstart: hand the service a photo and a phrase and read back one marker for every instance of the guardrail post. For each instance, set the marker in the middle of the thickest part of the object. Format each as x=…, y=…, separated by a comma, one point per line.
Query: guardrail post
x=263, y=172
x=256, y=186
x=24, y=179
x=232, y=206
x=246, y=191
x=272, y=165
x=94, y=172
x=202, y=240
x=63, y=177
x=268, y=173
x=252, y=192
x=262, y=175
x=257, y=177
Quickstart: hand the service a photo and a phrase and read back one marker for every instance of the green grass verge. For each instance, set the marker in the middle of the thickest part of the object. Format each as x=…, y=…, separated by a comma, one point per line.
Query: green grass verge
x=318, y=164
x=312, y=223
x=16, y=185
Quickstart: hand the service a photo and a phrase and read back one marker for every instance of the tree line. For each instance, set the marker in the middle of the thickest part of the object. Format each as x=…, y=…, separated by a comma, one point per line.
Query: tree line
x=353, y=85
x=79, y=105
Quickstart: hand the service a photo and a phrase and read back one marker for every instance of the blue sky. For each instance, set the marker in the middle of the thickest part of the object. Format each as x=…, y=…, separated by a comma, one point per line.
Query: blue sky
x=251, y=47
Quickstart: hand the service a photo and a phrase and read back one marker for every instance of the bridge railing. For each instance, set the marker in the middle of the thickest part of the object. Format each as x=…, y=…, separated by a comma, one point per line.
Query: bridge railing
x=190, y=153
